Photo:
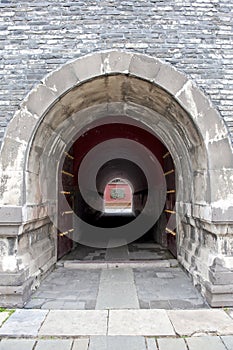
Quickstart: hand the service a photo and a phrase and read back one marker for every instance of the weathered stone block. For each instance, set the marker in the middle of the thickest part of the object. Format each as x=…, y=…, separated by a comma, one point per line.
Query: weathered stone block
x=10, y=214
x=116, y=62
x=9, y=230
x=89, y=67
x=13, y=279
x=21, y=126
x=170, y=79
x=219, y=274
x=201, y=189
x=39, y=100
x=219, y=295
x=24, y=323
x=61, y=80
x=12, y=155
x=221, y=181
x=11, y=190
x=16, y=296
x=217, y=147
x=193, y=100
x=144, y=67
x=222, y=214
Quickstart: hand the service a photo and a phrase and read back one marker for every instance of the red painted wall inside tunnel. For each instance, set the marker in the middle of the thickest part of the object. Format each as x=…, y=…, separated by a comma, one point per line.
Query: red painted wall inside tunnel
x=101, y=133
x=127, y=193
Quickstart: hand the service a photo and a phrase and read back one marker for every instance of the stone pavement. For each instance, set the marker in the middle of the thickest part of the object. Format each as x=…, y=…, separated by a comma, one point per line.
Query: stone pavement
x=117, y=330
x=117, y=283
x=117, y=304
x=134, y=251
x=115, y=287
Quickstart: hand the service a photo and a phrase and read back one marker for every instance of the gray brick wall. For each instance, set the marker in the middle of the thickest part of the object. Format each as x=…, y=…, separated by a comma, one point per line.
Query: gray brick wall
x=195, y=36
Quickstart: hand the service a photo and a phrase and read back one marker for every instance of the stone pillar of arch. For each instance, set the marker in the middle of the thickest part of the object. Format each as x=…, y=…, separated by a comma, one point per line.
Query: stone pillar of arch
x=145, y=90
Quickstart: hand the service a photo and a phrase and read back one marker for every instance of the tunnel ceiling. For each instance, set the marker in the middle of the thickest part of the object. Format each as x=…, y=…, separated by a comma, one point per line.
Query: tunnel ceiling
x=117, y=167
x=124, y=169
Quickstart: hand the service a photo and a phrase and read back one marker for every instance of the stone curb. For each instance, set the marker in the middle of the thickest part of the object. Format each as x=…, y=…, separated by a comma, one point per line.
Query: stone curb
x=142, y=322
x=79, y=264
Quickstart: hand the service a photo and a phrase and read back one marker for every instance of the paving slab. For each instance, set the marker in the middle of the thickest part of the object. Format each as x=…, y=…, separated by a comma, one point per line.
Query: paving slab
x=151, y=344
x=188, y=304
x=171, y=284
x=117, y=275
x=35, y=303
x=53, y=305
x=230, y=313
x=139, y=322
x=228, y=341
x=144, y=255
x=165, y=275
x=17, y=344
x=75, y=323
x=172, y=344
x=117, y=343
x=157, y=304
x=208, y=342
x=81, y=344
x=23, y=323
x=54, y=344
x=117, y=290
x=3, y=316
x=66, y=289
x=118, y=253
x=146, y=245
x=74, y=305
x=189, y=322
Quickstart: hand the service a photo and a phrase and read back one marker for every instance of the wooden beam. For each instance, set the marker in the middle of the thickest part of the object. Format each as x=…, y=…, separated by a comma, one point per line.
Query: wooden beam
x=66, y=232
x=67, y=212
x=171, y=191
x=68, y=155
x=67, y=173
x=166, y=155
x=170, y=231
x=170, y=211
x=169, y=172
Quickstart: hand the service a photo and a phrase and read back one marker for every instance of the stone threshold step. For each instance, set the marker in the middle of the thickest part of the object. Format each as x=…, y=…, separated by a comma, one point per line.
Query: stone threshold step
x=154, y=323
x=79, y=264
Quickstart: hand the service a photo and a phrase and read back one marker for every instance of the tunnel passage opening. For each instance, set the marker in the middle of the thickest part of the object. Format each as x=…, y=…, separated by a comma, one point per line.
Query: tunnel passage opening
x=122, y=191
x=118, y=197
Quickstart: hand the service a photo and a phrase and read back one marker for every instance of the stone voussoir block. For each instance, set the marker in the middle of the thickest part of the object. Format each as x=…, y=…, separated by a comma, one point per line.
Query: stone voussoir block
x=89, y=67
x=40, y=99
x=145, y=67
x=21, y=125
x=170, y=79
x=116, y=62
x=62, y=79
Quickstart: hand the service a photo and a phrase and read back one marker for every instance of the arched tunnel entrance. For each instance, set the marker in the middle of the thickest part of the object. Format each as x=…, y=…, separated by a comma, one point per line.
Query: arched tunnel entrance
x=116, y=115
x=120, y=184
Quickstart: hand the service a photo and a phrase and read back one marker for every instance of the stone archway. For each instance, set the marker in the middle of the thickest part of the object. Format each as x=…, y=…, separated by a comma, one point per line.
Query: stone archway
x=141, y=89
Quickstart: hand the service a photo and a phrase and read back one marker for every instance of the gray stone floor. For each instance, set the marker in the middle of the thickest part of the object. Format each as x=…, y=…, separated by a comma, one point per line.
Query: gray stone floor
x=131, y=252
x=118, y=306
x=117, y=329
x=166, y=288
x=67, y=289
x=119, y=343
x=118, y=286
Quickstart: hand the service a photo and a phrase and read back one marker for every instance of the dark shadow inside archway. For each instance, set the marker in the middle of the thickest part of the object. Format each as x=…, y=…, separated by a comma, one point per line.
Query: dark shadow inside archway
x=92, y=210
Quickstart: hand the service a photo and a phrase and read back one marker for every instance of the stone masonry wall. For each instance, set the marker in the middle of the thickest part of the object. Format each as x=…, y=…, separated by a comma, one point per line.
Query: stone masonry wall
x=37, y=37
